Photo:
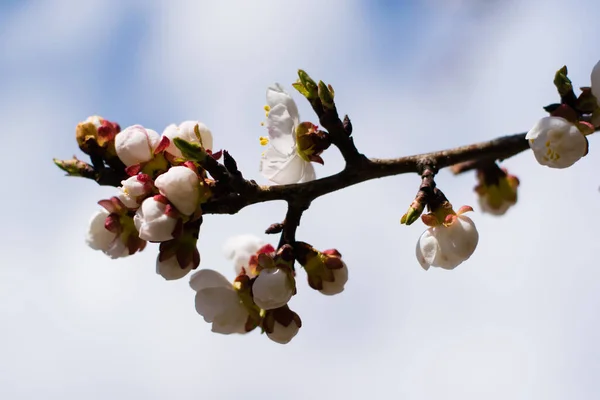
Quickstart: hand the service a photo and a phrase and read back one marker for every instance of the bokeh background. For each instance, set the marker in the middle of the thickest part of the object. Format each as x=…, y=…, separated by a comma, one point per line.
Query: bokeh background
x=519, y=320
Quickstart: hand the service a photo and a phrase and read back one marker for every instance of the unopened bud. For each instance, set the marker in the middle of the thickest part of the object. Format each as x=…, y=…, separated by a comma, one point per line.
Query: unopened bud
x=326, y=94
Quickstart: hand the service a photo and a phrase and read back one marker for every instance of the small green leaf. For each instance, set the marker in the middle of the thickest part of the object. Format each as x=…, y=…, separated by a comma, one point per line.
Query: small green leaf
x=325, y=95
x=562, y=82
x=191, y=151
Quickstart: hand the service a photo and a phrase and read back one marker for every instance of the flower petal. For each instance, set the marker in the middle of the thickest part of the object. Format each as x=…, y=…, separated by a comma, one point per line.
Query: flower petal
x=208, y=278
x=282, y=169
x=281, y=128
x=309, y=173
x=427, y=249
x=210, y=302
x=277, y=95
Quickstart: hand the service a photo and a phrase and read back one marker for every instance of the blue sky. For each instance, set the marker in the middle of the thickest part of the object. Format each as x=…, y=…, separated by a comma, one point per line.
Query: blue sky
x=517, y=320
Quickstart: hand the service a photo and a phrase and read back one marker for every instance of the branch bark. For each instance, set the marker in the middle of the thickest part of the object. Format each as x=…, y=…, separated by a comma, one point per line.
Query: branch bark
x=367, y=169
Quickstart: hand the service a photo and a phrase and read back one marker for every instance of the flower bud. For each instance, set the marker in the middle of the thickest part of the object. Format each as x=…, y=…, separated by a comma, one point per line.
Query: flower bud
x=113, y=234
x=218, y=302
x=326, y=271
x=182, y=187
x=281, y=324
x=273, y=288
x=449, y=242
x=177, y=257
x=497, y=189
x=556, y=142
x=170, y=269
x=185, y=131
x=311, y=142
x=96, y=131
x=136, y=144
x=135, y=189
x=155, y=220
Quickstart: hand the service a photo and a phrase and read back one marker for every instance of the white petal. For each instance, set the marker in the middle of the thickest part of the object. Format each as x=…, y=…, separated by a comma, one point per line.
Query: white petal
x=281, y=169
x=277, y=95
x=233, y=321
x=182, y=187
x=309, y=173
x=211, y=302
x=427, y=249
x=208, y=278
x=282, y=129
x=98, y=237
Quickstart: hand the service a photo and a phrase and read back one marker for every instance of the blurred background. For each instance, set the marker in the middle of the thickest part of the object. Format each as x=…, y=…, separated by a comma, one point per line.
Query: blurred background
x=518, y=320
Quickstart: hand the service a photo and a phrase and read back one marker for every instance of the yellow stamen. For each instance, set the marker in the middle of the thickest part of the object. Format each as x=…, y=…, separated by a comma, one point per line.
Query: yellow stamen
x=263, y=140
x=267, y=109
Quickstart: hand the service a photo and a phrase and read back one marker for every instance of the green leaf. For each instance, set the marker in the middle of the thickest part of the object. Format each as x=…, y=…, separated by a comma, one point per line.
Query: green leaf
x=562, y=82
x=191, y=151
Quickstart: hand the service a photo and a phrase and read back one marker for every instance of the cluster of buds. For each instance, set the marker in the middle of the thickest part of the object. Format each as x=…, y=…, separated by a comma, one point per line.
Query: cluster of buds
x=158, y=201
x=451, y=237
x=559, y=140
x=265, y=284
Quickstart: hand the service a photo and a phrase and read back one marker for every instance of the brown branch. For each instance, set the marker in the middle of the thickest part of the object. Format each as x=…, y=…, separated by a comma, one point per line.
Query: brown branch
x=497, y=149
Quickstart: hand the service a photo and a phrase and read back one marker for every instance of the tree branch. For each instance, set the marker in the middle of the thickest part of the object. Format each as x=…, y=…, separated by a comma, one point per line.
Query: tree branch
x=497, y=149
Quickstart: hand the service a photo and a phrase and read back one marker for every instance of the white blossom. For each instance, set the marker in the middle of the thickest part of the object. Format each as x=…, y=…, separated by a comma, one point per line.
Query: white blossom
x=340, y=276
x=171, y=270
x=447, y=246
x=136, y=144
x=185, y=131
x=100, y=238
x=152, y=222
x=556, y=142
x=182, y=187
x=281, y=163
x=272, y=289
x=218, y=302
x=283, y=334
x=240, y=249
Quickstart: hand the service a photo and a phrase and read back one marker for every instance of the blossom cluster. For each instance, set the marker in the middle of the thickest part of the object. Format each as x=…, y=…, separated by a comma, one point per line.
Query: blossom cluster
x=263, y=287
x=160, y=200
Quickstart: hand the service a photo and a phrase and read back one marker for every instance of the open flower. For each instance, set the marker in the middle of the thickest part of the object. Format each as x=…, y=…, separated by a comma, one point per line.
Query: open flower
x=185, y=131
x=218, y=302
x=136, y=144
x=449, y=242
x=281, y=163
x=182, y=187
x=156, y=219
x=556, y=142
